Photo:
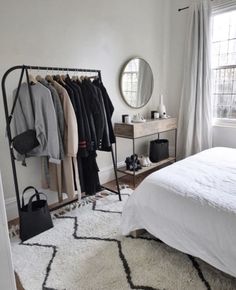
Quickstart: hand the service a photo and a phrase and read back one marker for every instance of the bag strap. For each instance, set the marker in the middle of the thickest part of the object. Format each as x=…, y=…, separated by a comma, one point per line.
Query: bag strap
x=16, y=95
x=30, y=91
x=26, y=189
x=38, y=198
x=24, y=69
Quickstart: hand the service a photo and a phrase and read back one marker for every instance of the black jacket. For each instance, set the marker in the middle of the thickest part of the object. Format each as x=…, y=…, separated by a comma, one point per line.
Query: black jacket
x=109, y=112
x=94, y=112
x=82, y=120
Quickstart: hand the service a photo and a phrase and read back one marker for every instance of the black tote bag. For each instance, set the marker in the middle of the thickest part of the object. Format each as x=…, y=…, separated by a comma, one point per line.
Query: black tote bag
x=35, y=217
x=159, y=150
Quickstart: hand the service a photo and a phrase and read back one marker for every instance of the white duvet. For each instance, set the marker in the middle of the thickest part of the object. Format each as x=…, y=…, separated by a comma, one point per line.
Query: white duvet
x=191, y=205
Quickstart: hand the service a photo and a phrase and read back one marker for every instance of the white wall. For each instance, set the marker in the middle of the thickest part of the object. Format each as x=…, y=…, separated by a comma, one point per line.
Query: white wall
x=174, y=54
x=224, y=136
x=87, y=34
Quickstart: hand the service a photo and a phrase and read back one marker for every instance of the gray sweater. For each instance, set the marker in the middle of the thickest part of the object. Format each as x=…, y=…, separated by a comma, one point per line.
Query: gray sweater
x=44, y=123
x=59, y=114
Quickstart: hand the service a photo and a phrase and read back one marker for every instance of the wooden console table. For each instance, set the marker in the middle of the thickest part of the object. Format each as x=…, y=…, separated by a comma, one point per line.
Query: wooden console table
x=139, y=130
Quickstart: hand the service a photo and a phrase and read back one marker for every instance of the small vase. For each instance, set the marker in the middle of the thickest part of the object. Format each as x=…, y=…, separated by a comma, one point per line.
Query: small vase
x=162, y=108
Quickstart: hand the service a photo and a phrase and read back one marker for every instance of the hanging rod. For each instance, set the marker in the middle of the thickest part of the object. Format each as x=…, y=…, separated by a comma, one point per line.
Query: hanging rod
x=184, y=8
x=59, y=68
x=48, y=68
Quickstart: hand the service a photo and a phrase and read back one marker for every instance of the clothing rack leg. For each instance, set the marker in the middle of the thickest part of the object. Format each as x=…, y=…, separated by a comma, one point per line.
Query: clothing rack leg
x=115, y=171
x=116, y=176
x=8, y=120
x=175, y=144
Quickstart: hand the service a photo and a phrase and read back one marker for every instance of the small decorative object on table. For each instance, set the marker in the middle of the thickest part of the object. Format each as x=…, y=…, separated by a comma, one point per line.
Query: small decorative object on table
x=127, y=119
x=156, y=115
x=162, y=109
x=153, y=114
x=138, y=119
x=123, y=118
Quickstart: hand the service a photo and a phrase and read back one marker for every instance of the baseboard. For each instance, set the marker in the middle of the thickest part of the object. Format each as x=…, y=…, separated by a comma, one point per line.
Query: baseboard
x=11, y=208
x=107, y=174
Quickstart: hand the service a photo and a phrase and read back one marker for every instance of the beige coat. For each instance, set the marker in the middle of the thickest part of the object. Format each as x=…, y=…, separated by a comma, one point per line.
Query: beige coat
x=61, y=176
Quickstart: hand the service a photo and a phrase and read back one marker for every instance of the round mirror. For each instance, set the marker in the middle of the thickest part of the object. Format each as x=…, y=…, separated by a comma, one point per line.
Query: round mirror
x=136, y=82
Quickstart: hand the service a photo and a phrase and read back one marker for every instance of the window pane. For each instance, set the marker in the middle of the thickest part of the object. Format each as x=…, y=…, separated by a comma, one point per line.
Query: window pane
x=224, y=65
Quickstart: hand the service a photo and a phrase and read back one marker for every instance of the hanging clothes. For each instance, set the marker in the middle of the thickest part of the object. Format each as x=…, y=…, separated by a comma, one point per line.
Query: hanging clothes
x=59, y=113
x=94, y=113
x=65, y=177
x=45, y=180
x=82, y=112
x=83, y=125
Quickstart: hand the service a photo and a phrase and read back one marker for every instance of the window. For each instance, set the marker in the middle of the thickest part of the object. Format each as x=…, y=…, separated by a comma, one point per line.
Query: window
x=130, y=81
x=224, y=66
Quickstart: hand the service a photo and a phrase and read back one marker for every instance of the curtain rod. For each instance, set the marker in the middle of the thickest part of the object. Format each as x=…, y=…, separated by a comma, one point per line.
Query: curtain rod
x=184, y=8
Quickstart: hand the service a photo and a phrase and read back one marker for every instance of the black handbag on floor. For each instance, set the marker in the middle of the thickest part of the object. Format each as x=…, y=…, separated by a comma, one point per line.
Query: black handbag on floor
x=35, y=217
x=159, y=150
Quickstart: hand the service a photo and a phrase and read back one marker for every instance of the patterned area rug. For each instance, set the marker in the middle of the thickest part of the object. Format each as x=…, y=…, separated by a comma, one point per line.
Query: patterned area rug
x=85, y=251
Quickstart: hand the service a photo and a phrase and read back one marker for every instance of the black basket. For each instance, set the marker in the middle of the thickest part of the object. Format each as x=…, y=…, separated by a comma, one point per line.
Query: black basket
x=35, y=217
x=159, y=150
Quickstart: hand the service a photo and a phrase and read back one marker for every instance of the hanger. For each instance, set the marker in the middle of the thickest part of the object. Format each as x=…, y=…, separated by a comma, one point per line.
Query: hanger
x=49, y=78
x=38, y=77
x=74, y=77
x=59, y=79
x=63, y=77
x=32, y=79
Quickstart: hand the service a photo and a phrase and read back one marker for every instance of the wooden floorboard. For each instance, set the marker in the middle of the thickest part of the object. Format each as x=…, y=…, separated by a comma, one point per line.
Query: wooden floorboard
x=18, y=283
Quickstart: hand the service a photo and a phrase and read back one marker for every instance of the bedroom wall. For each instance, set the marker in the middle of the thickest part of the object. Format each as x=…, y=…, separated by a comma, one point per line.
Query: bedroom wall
x=88, y=34
x=224, y=136
x=174, y=54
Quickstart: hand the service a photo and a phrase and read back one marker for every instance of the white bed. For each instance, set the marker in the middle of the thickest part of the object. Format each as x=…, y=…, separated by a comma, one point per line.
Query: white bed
x=191, y=206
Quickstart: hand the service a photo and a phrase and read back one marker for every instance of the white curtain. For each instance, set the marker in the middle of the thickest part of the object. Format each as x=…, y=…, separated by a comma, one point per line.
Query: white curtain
x=195, y=114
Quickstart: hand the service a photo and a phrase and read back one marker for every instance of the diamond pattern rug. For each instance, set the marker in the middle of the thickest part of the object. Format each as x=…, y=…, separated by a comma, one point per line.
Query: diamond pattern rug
x=85, y=251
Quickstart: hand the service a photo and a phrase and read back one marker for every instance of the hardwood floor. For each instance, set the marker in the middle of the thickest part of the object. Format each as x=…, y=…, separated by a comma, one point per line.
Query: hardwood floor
x=18, y=283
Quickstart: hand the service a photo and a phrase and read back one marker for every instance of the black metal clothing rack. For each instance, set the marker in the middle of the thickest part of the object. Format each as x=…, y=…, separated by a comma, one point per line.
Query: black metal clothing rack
x=9, y=117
